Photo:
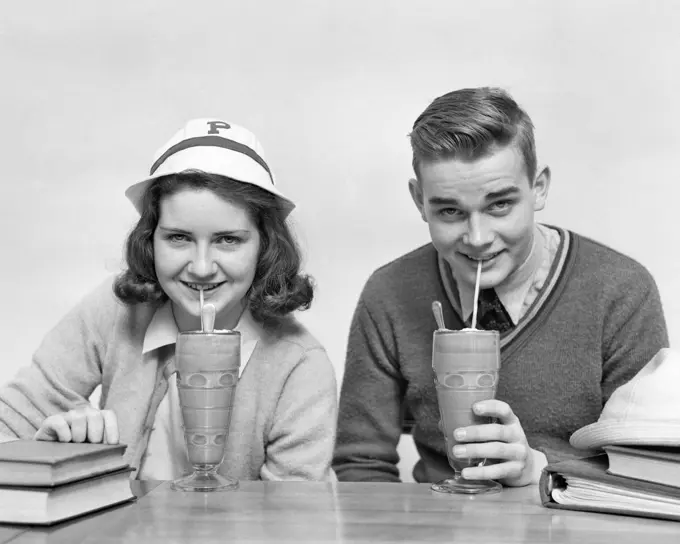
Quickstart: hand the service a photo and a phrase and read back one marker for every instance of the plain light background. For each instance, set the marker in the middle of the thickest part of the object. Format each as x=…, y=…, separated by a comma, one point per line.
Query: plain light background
x=89, y=91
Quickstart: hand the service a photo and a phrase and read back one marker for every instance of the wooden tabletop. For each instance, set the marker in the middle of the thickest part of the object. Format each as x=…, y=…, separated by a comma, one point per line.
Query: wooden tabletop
x=343, y=512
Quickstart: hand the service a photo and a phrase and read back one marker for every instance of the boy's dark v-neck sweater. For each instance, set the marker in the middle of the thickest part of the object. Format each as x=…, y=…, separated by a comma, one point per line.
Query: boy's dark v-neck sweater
x=596, y=322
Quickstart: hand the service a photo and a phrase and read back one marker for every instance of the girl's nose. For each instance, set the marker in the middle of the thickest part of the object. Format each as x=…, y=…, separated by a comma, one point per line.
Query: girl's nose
x=203, y=265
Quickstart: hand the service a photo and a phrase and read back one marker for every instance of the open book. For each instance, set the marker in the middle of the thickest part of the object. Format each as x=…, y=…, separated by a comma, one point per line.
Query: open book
x=584, y=484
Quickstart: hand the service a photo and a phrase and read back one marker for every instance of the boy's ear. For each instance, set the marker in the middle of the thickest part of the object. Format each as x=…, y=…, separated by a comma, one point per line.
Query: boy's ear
x=416, y=191
x=541, y=188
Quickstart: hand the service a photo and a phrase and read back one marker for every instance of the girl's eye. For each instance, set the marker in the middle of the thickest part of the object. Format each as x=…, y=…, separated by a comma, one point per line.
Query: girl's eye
x=228, y=240
x=177, y=237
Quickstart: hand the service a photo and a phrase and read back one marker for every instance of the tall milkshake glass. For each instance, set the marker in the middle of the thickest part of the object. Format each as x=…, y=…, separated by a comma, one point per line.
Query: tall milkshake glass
x=207, y=366
x=466, y=365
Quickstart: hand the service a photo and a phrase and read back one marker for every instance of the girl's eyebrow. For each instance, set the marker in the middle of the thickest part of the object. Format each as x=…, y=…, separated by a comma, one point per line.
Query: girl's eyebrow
x=172, y=229
x=241, y=232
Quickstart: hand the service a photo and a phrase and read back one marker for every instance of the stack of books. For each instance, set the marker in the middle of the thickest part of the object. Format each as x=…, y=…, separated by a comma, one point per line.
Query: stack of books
x=42, y=483
x=631, y=480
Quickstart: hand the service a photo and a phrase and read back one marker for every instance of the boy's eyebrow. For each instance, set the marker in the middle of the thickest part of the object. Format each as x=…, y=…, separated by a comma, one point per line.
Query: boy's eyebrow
x=439, y=201
x=448, y=201
x=508, y=191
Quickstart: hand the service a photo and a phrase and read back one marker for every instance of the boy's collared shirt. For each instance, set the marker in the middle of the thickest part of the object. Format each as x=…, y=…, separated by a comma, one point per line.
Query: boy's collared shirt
x=165, y=457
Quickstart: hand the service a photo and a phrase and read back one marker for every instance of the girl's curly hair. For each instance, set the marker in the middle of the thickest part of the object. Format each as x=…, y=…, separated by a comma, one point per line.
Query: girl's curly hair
x=278, y=286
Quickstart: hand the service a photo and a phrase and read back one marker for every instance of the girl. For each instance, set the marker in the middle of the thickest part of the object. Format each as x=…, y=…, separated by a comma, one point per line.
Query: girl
x=212, y=220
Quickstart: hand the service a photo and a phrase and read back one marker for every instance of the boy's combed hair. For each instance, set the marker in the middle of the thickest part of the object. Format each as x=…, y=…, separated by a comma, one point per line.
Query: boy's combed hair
x=278, y=286
x=469, y=124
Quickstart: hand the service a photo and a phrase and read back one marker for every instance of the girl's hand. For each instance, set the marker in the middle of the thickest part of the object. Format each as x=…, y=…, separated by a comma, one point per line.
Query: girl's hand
x=86, y=424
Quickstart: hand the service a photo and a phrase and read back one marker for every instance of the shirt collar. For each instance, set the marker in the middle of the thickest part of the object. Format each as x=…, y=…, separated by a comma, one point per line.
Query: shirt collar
x=162, y=331
x=514, y=289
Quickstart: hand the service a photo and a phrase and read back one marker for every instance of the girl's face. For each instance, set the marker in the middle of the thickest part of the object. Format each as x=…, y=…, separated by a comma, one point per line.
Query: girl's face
x=205, y=241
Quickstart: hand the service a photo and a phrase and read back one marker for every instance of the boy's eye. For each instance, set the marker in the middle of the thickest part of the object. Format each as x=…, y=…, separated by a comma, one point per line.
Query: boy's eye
x=501, y=205
x=449, y=212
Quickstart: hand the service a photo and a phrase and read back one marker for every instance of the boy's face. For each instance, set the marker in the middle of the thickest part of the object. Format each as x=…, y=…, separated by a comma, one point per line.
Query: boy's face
x=481, y=210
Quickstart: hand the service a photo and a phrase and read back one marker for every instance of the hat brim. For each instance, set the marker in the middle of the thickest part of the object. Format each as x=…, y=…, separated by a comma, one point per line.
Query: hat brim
x=213, y=161
x=640, y=433
x=135, y=194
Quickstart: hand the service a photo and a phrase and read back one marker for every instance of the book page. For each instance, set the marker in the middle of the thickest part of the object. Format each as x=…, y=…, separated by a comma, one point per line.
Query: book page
x=598, y=495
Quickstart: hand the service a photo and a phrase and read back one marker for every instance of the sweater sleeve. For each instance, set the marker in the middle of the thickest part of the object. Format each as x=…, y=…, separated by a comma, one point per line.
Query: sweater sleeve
x=555, y=448
x=634, y=329
x=369, y=423
x=301, y=440
x=65, y=370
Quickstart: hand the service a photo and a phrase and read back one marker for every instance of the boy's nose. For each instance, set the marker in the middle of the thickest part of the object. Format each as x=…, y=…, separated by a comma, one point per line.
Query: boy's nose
x=478, y=232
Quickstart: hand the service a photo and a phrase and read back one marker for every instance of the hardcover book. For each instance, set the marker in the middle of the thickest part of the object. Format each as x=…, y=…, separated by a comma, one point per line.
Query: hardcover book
x=49, y=505
x=650, y=463
x=41, y=463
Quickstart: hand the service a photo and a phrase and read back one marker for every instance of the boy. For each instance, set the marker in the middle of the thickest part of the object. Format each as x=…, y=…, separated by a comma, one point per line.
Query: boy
x=577, y=319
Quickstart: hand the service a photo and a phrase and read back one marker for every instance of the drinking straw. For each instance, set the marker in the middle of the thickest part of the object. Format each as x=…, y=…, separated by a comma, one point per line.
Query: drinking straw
x=476, y=299
x=208, y=317
x=438, y=314
x=200, y=298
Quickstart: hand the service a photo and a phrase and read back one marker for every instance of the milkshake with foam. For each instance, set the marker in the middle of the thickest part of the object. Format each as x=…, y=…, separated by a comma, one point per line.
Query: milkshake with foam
x=466, y=365
x=208, y=368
